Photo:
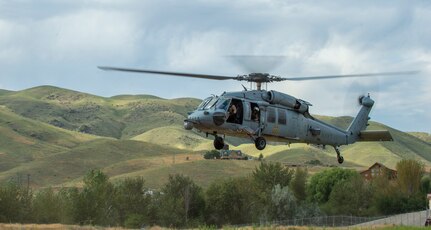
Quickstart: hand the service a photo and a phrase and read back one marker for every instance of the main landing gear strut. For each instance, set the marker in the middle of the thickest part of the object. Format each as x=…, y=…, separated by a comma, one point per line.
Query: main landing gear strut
x=340, y=158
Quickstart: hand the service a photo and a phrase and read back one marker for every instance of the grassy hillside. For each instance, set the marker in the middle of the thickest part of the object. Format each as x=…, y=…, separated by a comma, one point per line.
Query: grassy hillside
x=421, y=135
x=203, y=172
x=367, y=153
x=119, y=117
x=71, y=165
x=175, y=136
x=25, y=140
x=44, y=130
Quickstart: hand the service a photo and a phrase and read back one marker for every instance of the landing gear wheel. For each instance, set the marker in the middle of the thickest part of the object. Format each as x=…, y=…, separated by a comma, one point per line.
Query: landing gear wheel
x=260, y=143
x=218, y=143
x=340, y=159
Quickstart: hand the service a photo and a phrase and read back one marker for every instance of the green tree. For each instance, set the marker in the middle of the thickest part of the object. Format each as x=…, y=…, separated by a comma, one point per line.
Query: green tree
x=299, y=183
x=402, y=195
x=283, y=203
x=352, y=196
x=94, y=204
x=409, y=175
x=321, y=184
x=426, y=184
x=47, y=207
x=132, y=202
x=181, y=202
x=268, y=175
x=396, y=202
x=68, y=198
x=229, y=201
x=15, y=203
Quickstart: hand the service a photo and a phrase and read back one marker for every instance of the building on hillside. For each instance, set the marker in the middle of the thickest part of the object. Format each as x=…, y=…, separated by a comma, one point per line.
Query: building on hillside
x=378, y=169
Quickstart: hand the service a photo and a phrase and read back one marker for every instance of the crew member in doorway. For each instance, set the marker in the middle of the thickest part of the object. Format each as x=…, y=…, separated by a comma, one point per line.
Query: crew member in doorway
x=232, y=112
x=255, y=114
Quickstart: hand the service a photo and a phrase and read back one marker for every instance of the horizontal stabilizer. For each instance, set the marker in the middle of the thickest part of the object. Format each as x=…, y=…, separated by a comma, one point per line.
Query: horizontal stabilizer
x=375, y=135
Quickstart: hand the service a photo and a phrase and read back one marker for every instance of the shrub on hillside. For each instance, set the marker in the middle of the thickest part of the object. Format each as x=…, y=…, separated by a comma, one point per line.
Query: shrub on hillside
x=213, y=154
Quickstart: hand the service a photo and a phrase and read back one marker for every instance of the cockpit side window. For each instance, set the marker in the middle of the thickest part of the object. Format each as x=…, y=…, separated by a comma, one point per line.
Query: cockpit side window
x=222, y=104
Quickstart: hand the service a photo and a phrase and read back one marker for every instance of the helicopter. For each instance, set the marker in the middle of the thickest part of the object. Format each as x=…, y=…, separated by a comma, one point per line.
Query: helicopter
x=262, y=115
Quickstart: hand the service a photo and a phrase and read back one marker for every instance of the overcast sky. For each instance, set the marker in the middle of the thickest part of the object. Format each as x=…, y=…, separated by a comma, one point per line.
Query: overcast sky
x=60, y=43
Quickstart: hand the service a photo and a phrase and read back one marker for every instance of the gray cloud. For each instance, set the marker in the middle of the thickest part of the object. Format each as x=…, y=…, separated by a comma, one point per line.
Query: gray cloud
x=61, y=42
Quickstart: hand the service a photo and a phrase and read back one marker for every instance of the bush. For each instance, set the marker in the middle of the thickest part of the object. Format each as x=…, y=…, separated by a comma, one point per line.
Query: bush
x=134, y=221
x=212, y=154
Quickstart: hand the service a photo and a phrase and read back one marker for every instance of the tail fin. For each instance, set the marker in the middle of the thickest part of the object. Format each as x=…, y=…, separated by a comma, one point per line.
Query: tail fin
x=361, y=120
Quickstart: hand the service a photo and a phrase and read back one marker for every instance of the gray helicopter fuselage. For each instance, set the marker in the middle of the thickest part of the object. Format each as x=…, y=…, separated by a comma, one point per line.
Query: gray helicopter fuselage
x=288, y=121
x=270, y=115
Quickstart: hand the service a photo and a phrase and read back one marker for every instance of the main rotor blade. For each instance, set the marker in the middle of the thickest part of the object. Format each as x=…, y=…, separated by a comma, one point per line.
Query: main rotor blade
x=350, y=75
x=205, y=76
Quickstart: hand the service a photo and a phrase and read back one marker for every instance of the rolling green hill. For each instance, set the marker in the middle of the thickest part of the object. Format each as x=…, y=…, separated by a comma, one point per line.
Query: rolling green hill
x=119, y=117
x=56, y=135
x=423, y=136
x=175, y=136
x=25, y=140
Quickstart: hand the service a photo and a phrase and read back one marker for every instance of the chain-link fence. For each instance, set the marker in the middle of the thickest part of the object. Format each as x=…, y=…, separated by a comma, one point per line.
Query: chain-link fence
x=407, y=219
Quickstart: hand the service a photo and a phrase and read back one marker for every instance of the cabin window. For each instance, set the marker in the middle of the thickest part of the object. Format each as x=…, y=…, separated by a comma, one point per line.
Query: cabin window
x=255, y=112
x=281, y=116
x=271, y=115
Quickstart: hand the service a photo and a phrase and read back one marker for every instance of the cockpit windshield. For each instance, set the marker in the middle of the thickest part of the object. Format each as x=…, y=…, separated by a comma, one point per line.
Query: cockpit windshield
x=204, y=103
x=211, y=103
x=218, y=102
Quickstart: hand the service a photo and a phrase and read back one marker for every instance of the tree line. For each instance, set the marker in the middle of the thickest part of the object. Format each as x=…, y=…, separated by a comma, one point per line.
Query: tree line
x=271, y=192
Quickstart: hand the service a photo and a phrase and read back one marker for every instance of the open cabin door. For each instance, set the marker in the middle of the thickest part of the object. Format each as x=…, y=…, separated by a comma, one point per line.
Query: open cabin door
x=236, y=112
